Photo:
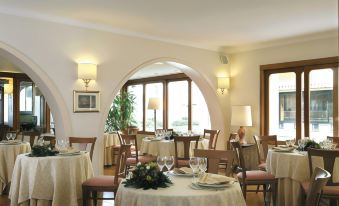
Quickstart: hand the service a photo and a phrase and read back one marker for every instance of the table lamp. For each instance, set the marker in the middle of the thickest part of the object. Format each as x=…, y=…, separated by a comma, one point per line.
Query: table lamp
x=241, y=116
x=154, y=104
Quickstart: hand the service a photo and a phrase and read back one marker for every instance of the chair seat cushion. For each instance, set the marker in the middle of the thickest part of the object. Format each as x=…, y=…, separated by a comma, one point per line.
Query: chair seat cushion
x=327, y=190
x=101, y=181
x=262, y=166
x=256, y=175
x=142, y=159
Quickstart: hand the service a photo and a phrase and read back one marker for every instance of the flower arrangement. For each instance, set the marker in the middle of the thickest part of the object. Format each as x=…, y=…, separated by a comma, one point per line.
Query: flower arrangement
x=147, y=176
x=307, y=143
x=42, y=151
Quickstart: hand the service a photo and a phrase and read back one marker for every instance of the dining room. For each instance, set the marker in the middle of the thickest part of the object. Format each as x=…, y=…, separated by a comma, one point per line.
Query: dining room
x=132, y=103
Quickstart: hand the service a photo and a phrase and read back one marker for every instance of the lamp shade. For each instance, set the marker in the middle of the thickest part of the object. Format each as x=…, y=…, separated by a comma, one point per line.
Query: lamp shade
x=87, y=71
x=223, y=82
x=8, y=88
x=241, y=116
x=153, y=103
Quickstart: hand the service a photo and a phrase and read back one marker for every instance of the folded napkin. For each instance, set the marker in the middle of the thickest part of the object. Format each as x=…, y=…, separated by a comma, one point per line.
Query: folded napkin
x=70, y=150
x=283, y=149
x=183, y=170
x=214, y=179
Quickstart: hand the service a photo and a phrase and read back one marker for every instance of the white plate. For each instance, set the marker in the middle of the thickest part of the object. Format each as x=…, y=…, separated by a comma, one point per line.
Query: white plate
x=179, y=174
x=69, y=153
x=214, y=185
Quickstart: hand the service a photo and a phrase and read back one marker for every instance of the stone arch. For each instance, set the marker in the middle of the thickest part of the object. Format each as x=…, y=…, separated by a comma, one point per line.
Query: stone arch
x=45, y=84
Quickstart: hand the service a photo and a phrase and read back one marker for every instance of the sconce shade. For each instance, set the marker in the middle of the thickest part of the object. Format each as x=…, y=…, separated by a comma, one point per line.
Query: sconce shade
x=153, y=103
x=8, y=88
x=87, y=71
x=223, y=82
x=241, y=116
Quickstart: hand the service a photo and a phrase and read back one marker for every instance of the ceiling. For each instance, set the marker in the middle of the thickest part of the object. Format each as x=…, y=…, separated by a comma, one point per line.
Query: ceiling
x=213, y=24
x=157, y=69
x=7, y=66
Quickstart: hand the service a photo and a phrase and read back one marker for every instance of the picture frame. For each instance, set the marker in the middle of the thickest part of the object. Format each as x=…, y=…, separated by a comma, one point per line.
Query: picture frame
x=86, y=101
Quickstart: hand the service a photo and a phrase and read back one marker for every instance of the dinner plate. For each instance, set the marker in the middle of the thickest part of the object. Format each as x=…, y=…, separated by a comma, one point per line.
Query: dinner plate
x=69, y=153
x=213, y=185
x=179, y=174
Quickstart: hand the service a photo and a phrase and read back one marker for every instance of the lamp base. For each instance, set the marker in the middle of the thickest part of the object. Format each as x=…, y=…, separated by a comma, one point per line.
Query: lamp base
x=241, y=133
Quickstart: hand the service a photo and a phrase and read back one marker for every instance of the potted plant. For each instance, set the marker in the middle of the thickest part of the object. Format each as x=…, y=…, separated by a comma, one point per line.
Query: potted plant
x=120, y=115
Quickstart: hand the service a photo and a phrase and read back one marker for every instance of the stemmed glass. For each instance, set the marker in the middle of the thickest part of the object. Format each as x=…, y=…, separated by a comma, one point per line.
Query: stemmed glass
x=169, y=162
x=161, y=162
x=292, y=142
x=202, y=165
x=8, y=136
x=194, y=164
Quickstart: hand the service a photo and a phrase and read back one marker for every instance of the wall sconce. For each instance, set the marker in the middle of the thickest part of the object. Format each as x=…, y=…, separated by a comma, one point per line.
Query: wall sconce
x=223, y=84
x=87, y=72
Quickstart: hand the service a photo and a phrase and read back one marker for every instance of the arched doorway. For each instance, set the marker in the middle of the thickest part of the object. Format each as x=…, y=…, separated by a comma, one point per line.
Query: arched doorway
x=208, y=93
x=45, y=84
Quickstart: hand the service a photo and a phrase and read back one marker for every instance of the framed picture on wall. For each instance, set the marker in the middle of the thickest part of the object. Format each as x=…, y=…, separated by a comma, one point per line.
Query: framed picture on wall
x=86, y=101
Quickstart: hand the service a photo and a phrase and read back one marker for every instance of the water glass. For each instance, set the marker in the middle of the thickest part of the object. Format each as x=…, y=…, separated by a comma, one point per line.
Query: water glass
x=194, y=164
x=161, y=162
x=202, y=164
x=169, y=162
x=288, y=142
x=292, y=142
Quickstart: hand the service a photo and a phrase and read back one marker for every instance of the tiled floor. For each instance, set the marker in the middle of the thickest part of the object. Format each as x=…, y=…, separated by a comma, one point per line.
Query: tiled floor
x=253, y=199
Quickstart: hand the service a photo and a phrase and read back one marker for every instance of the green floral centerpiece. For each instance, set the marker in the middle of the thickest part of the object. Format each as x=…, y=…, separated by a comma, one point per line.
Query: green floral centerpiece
x=147, y=176
x=307, y=143
x=43, y=151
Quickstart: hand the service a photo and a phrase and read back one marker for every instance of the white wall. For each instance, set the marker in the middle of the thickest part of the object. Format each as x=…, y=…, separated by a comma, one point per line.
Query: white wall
x=245, y=71
x=49, y=54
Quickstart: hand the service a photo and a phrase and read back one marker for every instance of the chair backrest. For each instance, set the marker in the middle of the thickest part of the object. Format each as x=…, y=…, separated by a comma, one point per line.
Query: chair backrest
x=233, y=136
x=119, y=137
x=132, y=130
x=240, y=156
x=186, y=140
x=120, y=169
x=267, y=140
x=328, y=157
x=257, y=143
x=132, y=140
x=335, y=140
x=3, y=131
x=84, y=141
x=214, y=157
x=50, y=138
x=318, y=180
x=213, y=137
x=31, y=136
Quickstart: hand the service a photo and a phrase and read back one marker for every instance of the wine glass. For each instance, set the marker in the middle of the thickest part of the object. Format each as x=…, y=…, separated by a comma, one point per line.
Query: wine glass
x=292, y=142
x=194, y=164
x=13, y=136
x=203, y=164
x=8, y=136
x=160, y=162
x=169, y=162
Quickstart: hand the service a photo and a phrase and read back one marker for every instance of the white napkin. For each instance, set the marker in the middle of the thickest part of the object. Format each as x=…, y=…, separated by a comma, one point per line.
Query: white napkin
x=183, y=170
x=214, y=179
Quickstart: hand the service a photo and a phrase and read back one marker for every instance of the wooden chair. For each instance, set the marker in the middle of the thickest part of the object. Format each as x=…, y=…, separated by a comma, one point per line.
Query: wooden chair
x=265, y=141
x=214, y=157
x=132, y=130
x=254, y=177
x=317, y=182
x=116, y=148
x=331, y=190
x=92, y=186
x=335, y=140
x=3, y=131
x=133, y=156
x=83, y=141
x=51, y=139
x=233, y=136
x=186, y=140
x=31, y=136
x=213, y=137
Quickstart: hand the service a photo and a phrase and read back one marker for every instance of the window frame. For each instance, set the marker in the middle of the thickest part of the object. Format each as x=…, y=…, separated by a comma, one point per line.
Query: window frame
x=298, y=67
x=165, y=79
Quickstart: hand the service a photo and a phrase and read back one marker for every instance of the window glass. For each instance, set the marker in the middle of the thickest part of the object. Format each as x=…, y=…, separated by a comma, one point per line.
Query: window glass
x=137, y=90
x=154, y=91
x=26, y=96
x=200, y=114
x=282, y=105
x=178, y=106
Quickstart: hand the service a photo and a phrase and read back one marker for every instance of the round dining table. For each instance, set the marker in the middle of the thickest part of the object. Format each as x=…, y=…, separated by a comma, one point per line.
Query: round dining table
x=110, y=140
x=291, y=169
x=167, y=147
x=180, y=194
x=52, y=180
x=8, y=154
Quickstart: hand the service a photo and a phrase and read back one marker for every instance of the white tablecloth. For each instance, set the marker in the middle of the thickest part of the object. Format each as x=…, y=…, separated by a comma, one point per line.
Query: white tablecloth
x=292, y=169
x=180, y=194
x=49, y=181
x=167, y=147
x=8, y=154
x=110, y=140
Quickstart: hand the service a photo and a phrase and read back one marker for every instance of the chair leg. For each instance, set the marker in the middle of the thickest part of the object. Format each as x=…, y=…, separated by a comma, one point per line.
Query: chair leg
x=95, y=196
x=244, y=190
x=258, y=187
x=274, y=193
x=84, y=196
